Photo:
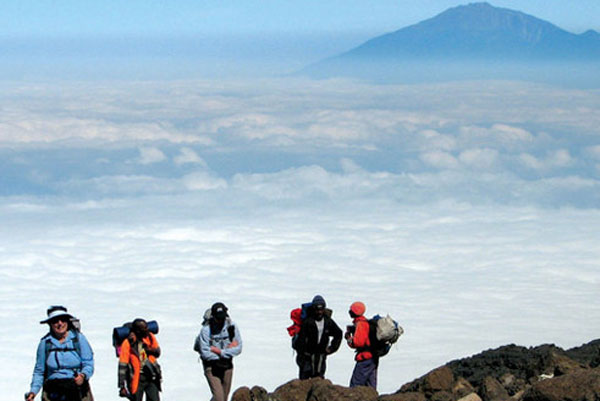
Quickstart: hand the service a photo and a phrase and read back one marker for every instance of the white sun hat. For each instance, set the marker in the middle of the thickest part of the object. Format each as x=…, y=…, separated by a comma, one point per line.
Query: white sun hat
x=56, y=311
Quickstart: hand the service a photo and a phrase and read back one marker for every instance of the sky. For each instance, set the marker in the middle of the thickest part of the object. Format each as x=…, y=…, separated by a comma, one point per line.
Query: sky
x=189, y=17
x=469, y=211
x=190, y=39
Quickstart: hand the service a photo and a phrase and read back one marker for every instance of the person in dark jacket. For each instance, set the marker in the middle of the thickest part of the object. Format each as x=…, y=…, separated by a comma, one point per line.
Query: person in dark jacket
x=319, y=336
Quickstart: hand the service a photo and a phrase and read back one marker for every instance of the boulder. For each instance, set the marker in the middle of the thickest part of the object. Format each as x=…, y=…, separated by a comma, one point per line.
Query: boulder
x=512, y=384
x=442, y=396
x=296, y=390
x=462, y=388
x=581, y=385
x=255, y=394
x=440, y=379
x=492, y=390
x=518, y=396
x=470, y=397
x=325, y=391
x=318, y=389
x=408, y=396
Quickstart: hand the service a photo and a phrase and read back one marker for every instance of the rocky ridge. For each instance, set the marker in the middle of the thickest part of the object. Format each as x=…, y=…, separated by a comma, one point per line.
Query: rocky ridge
x=508, y=373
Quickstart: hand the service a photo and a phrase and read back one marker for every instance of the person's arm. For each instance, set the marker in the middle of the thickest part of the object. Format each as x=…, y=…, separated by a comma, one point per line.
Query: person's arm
x=361, y=335
x=87, y=357
x=152, y=348
x=337, y=337
x=302, y=338
x=124, y=364
x=235, y=347
x=205, y=351
x=37, y=379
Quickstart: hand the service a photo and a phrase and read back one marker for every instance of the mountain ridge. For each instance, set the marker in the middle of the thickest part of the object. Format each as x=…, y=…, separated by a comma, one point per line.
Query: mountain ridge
x=476, y=32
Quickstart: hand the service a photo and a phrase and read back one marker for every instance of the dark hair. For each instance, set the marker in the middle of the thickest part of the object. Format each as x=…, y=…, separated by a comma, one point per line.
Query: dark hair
x=53, y=308
x=138, y=325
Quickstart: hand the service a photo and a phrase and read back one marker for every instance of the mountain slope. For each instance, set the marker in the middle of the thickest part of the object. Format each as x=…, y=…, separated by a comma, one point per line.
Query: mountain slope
x=481, y=30
x=474, y=33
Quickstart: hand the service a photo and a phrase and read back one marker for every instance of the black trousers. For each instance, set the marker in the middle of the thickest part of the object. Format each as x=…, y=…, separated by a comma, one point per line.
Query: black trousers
x=66, y=390
x=311, y=365
x=148, y=387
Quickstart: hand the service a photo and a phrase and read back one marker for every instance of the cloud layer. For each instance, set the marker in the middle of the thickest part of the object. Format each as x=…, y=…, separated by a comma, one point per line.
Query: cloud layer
x=459, y=209
x=520, y=134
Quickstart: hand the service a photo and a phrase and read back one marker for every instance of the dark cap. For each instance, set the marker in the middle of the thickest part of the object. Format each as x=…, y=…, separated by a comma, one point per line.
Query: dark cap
x=318, y=302
x=219, y=311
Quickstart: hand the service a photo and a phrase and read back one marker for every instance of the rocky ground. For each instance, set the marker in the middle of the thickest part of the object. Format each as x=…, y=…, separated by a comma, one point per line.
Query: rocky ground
x=508, y=373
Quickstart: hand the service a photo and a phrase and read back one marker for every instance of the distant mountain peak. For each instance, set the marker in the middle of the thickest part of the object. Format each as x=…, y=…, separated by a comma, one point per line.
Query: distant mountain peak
x=483, y=17
x=472, y=33
x=482, y=31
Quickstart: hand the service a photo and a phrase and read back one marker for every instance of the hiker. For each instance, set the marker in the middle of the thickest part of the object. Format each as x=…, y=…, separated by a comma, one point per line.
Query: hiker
x=218, y=342
x=357, y=336
x=318, y=337
x=64, y=360
x=139, y=373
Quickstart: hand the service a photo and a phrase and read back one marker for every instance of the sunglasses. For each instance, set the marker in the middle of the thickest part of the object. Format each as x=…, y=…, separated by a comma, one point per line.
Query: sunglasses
x=63, y=319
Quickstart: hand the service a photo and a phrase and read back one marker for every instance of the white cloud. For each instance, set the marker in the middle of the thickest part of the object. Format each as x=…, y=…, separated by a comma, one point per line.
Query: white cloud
x=188, y=156
x=440, y=160
x=479, y=158
x=349, y=166
x=555, y=159
x=531, y=161
x=119, y=185
x=501, y=136
x=472, y=236
x=560, y=158
x=49, y=129
x=435, y=140
x=512, y=134
x=201, y=180
x=594, y=151
x=151, y=156
x=267, y=261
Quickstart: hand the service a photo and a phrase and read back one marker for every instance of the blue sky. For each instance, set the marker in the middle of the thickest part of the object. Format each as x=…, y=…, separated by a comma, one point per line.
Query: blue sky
x=187, y=17
x=136, y=39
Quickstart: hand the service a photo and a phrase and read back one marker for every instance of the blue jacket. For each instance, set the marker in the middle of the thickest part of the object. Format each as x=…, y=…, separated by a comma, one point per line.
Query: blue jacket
x=61, y=364
x=220, y=340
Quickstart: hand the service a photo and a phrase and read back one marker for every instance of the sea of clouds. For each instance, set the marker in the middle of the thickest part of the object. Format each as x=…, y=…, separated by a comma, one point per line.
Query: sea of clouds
x=468, y=211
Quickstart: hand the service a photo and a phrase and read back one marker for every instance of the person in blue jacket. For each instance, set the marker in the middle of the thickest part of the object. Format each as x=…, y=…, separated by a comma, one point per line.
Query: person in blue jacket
x=218, y=342
x=64, y=361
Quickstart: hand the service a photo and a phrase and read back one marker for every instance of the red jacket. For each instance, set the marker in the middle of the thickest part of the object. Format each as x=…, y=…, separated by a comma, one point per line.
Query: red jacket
x=360, y=340
x=296, y=316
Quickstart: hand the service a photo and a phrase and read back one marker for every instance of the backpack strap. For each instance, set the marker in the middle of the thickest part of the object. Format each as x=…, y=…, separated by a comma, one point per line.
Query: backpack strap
x=48, y=348
x=231, y=332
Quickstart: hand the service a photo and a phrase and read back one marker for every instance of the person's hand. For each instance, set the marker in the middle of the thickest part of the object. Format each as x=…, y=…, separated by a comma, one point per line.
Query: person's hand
x=123, y=392
x=79, y=379
x=233, y=344
x=29, y=396
x=347, y=335
x=328, y=351
x=215, y=350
